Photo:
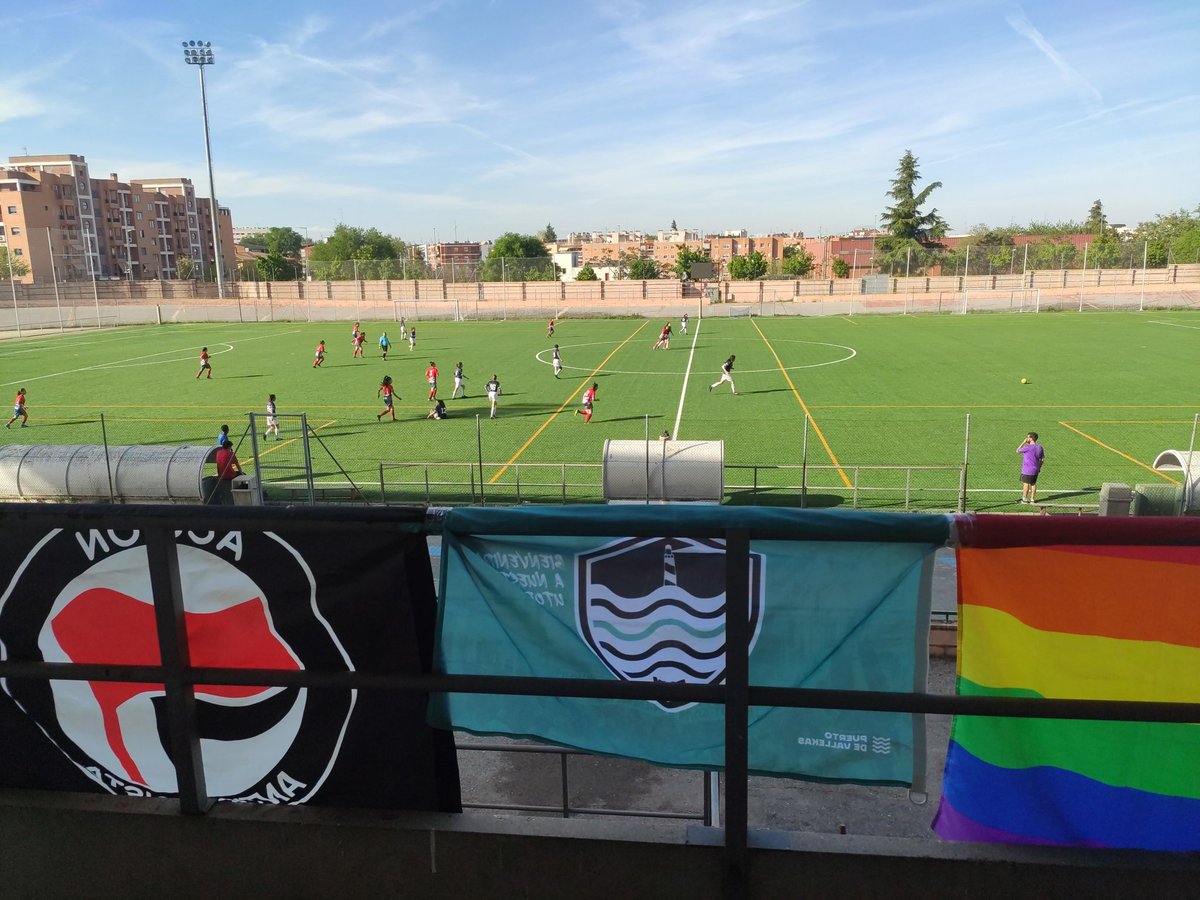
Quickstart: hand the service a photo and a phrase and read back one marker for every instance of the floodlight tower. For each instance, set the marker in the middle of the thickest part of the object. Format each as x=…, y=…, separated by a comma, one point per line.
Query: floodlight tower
x=199, y=54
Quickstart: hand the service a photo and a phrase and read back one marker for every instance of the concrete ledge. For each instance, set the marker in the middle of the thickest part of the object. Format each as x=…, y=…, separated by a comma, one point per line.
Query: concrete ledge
x=943, y=639
x=68, y=845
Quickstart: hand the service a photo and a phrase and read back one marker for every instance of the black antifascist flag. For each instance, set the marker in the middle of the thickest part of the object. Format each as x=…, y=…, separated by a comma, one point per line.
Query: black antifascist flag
x=302, y=600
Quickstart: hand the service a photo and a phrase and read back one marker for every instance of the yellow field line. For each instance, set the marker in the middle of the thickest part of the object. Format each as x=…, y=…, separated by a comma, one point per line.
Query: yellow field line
x=566, y=403
x=1133, y=421
x=847, y=319
x=1119, y=453
x=283, y=444
x=804, y=406
x=1007, y=406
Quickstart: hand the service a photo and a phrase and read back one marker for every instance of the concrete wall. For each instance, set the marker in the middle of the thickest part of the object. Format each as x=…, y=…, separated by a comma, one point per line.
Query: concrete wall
x=63, y=845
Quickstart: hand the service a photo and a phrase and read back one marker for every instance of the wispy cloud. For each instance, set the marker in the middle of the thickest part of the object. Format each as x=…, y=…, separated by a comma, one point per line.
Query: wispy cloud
x=31, y=93
x=243, y=183
x=17, y=103
x=707, y=41
x=500, y=116
x=409, y=17
x=1073, y=78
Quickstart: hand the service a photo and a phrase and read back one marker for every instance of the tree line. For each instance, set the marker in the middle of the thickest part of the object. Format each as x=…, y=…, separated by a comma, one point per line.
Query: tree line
x=912, y=244
x=913, y=241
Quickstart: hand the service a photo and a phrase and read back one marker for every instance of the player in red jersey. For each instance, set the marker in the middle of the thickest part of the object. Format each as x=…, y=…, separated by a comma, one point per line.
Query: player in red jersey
x=431, y=375
x=204, y=363
x=320, y=354
x=19, y=410
x=664, y=339
x=589, y=398
x=389, y=394
x=550, y=328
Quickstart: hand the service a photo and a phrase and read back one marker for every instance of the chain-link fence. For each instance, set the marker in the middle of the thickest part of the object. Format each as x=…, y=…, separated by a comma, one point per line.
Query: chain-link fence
x=82, y=306
x=970, y=465
x=926, y=465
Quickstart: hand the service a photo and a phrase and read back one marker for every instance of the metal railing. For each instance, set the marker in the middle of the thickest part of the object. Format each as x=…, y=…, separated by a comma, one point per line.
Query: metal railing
x=438, y=483
x=735, y=695
x=858, y=490
x=564, y=807
x=472, y=485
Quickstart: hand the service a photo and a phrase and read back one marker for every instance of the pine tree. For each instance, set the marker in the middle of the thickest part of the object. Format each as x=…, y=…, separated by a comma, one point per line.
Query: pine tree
x=1097, y=222
x=905, y=219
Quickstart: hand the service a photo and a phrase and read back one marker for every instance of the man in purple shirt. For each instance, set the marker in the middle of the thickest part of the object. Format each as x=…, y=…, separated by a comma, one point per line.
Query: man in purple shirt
x=1032, y=457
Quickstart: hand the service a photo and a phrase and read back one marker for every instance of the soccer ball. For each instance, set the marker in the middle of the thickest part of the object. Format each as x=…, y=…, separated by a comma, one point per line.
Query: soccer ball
x=1024, y=381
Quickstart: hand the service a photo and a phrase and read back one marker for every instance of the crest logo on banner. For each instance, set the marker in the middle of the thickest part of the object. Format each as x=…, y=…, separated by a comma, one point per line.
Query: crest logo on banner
x=249, y=601
x=653, y=609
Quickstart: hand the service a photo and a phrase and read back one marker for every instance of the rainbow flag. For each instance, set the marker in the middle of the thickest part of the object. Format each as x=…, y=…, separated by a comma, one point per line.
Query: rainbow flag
x=1085, y=609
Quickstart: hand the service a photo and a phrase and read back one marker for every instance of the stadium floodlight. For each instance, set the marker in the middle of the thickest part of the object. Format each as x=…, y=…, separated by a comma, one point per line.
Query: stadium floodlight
x=200, y=54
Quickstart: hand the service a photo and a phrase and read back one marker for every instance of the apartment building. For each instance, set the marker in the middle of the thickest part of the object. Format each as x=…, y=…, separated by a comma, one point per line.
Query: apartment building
x=605, y=248
x=64, y=223
x=452, y=253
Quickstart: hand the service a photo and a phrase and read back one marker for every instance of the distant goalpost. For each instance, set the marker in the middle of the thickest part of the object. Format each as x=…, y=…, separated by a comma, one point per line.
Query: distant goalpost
x=740, y=312
x=1018, y=300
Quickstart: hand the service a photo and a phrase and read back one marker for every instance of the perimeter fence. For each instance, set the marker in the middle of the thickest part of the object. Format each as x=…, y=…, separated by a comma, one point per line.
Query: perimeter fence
x=943, y=465
x=107, y=303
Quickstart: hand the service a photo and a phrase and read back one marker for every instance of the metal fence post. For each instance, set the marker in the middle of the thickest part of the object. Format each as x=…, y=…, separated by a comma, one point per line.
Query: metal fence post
x=646, y=417
x=163, y=559
x=1188, y=491
x=308, y=472
x=107, y=461
x=479, y=451
x=566, y=791
x=962, y=478
x=258, y=474
x=737, y=692
x=804, y=466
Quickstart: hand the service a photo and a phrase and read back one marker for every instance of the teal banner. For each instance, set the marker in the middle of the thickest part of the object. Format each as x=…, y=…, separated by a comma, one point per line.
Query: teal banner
x=836, y=602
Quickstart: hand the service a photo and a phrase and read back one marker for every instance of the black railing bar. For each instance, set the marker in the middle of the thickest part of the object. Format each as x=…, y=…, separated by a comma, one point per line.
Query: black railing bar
x=524, y=748
x=405, y=519
x=408, y=519
x=179, y=695
x=737, y=712
x=587, y=811
x=418, y=683
x=795, y=698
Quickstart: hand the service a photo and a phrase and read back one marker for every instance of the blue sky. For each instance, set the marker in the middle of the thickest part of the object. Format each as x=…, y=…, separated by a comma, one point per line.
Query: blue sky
x=468, y=119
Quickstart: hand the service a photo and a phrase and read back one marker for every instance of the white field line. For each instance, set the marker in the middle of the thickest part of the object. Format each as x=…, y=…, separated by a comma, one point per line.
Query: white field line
x=1175, y=324
x=686, y=375
x=121, y=363
x=75, y=336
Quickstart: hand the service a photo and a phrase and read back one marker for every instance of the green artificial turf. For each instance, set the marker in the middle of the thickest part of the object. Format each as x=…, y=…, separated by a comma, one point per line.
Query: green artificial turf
x=1106, y=391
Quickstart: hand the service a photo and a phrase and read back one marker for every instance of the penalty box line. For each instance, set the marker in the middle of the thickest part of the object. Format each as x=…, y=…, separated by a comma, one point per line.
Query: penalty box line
x=804, y=406
x=554, y=415
x=1136, y=462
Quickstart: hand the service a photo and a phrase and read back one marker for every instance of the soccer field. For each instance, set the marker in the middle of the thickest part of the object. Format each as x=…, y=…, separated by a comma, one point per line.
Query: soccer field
x=844, y=396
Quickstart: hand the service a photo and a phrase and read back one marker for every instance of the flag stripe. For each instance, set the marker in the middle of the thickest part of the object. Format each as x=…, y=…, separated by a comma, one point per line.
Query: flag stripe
x=1078, y=531
x=952, y=825
x=1050, y=805
x=1000, y=651
x=1138, y=599
x=1159, y=757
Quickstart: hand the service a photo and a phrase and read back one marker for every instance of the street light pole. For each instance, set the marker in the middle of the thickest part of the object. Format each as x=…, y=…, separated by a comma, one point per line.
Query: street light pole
x=199, y=54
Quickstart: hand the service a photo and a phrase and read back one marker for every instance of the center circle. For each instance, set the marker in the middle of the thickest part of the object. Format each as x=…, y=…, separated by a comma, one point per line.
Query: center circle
x=543, y=356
